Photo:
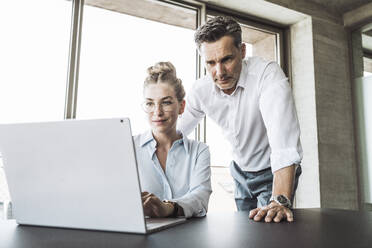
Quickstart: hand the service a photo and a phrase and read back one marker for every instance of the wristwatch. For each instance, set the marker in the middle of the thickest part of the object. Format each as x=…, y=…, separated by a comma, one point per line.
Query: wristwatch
x=282, y=200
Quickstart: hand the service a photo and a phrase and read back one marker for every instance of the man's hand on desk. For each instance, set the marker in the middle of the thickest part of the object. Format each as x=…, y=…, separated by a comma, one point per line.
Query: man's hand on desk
x=154, y=207
x=272, y=212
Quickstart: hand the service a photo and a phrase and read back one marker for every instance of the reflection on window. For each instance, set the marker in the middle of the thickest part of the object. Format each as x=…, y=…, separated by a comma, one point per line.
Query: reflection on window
x=116, y=50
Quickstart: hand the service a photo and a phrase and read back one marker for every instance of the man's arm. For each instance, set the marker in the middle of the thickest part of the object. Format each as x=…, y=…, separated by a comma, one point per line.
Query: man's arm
x=193, y=113
x=282, y=185
x=279, y=115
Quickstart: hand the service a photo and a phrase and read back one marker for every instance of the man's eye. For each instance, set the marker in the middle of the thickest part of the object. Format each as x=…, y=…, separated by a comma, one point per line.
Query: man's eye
x=210, y=63
x=226, y=60
x=167, y=103
x=149, y=104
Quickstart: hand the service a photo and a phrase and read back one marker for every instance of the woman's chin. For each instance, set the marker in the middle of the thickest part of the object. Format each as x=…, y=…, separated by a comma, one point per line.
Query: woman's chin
x=160, y=128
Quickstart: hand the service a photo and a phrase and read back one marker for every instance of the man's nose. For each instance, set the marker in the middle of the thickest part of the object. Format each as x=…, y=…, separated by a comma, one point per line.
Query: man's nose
x=220, y=69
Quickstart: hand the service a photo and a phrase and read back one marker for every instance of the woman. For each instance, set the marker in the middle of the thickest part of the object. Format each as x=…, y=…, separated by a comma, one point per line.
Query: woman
x=174, y=171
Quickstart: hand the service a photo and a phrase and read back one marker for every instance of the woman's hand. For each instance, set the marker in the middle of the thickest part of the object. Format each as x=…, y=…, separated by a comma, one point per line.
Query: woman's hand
x=154, y=207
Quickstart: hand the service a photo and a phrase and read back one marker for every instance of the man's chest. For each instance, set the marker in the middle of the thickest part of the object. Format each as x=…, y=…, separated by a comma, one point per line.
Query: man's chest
x=233, y=112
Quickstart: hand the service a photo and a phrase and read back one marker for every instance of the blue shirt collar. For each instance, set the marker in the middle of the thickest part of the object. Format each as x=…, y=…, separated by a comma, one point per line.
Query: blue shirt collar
x=148, y=139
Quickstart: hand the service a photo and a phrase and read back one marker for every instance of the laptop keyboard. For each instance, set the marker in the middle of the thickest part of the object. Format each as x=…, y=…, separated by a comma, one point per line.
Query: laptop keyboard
x=153, y=223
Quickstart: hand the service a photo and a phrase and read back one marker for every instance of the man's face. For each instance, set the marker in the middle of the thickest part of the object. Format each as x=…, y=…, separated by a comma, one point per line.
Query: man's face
x=223, y=62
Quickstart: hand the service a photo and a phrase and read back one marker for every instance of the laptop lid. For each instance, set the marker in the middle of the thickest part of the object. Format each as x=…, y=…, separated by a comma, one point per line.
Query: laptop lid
x=74, y=174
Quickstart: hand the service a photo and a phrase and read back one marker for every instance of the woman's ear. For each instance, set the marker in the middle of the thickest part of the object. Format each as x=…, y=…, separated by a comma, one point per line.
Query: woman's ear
x=182, y=108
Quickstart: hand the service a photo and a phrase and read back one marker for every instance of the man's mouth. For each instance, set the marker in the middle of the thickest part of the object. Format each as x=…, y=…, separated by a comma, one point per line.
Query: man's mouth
x=223, y=80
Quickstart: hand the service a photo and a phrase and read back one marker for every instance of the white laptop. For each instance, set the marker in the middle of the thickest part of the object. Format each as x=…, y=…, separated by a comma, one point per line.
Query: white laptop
x=76, y=174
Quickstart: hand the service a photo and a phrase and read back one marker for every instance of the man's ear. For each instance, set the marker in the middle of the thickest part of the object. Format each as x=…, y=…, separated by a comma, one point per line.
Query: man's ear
x=182, y=108
x=243, y=50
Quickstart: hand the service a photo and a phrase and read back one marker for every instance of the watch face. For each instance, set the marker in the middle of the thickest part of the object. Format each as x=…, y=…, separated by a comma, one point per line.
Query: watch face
x=281, y=199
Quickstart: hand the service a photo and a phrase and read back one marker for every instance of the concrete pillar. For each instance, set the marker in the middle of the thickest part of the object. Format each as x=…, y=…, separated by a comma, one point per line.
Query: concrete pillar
x=337, y=159
x=322, y=92
x=303, y=86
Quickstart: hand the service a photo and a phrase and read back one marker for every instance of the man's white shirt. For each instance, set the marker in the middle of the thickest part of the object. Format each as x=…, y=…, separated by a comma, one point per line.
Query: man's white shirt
x=258, y=119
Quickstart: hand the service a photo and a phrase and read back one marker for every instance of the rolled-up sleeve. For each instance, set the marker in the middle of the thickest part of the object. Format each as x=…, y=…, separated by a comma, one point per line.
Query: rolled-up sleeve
x=195, y=202
x=279, y=115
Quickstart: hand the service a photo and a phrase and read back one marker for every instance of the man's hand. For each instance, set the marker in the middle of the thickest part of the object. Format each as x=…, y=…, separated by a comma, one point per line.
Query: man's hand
x=272, y=212
x=154, y=207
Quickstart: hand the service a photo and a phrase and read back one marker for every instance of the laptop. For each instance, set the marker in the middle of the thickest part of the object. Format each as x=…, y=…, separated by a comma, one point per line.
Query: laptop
x=76, y=174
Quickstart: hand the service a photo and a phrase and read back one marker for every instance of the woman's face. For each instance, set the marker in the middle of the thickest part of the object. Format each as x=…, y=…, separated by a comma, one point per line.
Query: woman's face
x=162, y=107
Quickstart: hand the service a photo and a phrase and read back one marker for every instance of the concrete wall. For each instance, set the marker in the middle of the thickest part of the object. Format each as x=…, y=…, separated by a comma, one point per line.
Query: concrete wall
x=338, y=167
x=303, y=86
x=322, y=90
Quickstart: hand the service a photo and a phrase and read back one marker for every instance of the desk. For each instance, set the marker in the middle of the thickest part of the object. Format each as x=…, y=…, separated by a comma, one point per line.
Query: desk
x=312, y=228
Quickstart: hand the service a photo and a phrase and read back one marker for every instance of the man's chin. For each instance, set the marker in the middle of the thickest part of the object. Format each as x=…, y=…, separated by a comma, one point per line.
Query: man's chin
x=226, y=86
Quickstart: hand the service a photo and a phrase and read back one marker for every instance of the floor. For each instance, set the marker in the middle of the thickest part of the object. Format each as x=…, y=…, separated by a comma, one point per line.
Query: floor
x=222, y=198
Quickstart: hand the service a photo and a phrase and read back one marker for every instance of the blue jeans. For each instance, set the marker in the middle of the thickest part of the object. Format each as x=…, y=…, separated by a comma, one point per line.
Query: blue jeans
x=253, y=189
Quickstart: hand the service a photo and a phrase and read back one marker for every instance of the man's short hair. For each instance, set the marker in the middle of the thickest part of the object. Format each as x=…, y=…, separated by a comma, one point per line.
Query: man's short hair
x=217, y=27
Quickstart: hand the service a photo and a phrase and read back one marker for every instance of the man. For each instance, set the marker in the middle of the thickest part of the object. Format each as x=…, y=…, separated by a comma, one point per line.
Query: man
x=252, y=102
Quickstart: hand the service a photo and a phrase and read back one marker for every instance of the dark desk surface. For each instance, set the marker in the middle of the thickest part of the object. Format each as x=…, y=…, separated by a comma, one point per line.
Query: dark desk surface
x=312, y=228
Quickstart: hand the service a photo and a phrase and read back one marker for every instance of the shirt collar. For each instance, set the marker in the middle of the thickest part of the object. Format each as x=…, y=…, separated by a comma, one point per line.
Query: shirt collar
x=148, y=139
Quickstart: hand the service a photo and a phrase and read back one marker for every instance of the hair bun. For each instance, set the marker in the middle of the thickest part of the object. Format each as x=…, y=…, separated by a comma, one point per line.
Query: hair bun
x=165, y=72
x=161, y=68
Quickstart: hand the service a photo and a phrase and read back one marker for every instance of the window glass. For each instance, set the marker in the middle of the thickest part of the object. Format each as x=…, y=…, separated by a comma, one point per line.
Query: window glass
x=34, y=48
x=367, y=65
x=34, y=56
x=116, y=50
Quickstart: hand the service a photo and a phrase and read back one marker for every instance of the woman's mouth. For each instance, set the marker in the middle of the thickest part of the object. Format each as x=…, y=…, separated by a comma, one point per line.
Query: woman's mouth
x=160, y=121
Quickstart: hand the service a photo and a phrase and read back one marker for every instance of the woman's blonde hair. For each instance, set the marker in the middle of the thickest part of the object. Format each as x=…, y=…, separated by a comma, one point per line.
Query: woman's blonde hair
x=165, y=72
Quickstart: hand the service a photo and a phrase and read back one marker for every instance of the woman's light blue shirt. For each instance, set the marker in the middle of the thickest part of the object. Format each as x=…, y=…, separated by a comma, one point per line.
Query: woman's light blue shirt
x=186, y=179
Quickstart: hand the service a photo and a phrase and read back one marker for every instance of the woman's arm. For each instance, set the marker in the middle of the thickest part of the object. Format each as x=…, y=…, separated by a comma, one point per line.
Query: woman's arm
x=195, y=202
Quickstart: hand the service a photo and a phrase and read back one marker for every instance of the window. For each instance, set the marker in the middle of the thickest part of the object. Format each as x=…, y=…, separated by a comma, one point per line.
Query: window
x=120, y=40
x=34, y=54
x=117, y=49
